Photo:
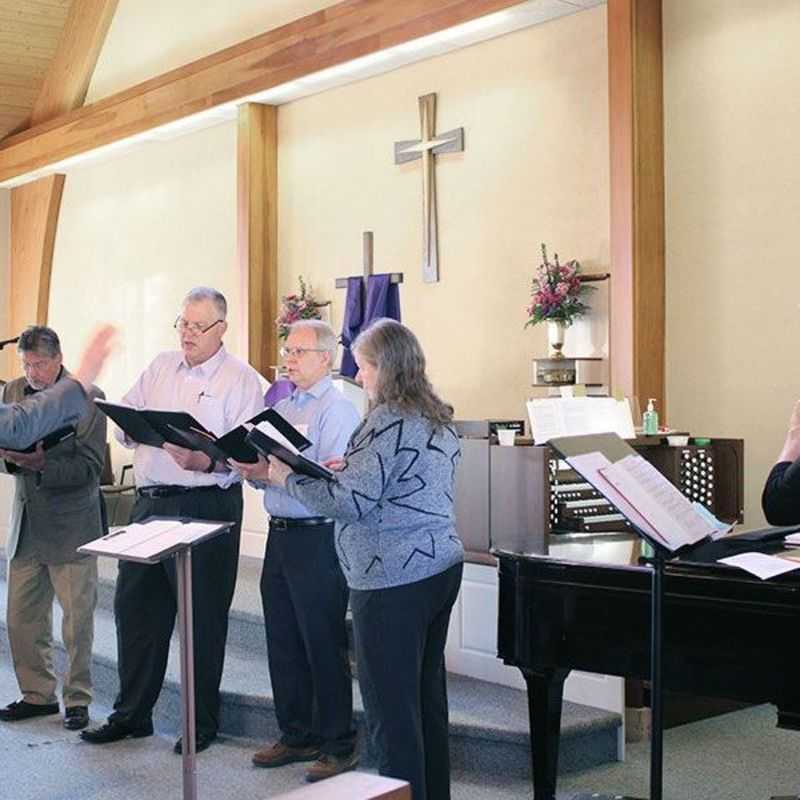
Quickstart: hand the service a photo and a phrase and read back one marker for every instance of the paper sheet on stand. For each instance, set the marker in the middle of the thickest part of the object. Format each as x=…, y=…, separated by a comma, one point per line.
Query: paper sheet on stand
x=666, y=509
x=589, y=466
x=760, y=565
x=574, y=416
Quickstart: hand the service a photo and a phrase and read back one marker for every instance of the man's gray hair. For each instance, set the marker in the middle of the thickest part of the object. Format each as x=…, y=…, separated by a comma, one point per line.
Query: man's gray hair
x=326, y=338
x=200, y=293
x=39, y=339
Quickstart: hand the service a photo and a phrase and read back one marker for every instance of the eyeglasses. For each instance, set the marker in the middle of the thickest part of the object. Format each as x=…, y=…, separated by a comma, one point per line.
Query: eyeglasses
x=194, y=327
x=299, y=352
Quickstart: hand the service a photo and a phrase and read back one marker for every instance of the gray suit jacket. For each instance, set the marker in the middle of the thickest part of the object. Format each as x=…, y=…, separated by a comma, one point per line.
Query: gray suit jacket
x=25, y=422
x=62, y=502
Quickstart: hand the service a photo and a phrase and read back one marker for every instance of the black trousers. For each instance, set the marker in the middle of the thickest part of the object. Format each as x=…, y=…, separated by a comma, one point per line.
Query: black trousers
x=400, y=638
x=145, y=605
x=305, y=602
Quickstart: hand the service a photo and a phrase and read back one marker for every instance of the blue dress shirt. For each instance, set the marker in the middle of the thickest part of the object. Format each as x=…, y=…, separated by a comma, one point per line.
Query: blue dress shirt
x=327, y=418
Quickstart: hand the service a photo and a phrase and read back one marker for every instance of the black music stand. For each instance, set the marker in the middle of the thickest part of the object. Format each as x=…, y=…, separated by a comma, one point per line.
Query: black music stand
x=163, y=544
x=614, y=449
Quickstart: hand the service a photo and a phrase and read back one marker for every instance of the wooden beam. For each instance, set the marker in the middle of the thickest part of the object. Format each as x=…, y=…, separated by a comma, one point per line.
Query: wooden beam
x=67, y=79
x=34, y=219
x=35, y=206
x=328, y=37
x=636, y=120
x=257, y=229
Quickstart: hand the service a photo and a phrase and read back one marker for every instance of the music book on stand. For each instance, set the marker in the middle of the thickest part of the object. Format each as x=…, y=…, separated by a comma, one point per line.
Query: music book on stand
x=153, y=540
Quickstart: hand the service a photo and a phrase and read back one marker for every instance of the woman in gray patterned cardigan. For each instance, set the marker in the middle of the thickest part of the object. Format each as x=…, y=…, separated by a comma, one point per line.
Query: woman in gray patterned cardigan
x=399, y=550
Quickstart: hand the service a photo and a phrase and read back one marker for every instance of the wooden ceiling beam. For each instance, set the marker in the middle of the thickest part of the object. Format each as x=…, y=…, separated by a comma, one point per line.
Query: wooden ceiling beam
x=334, y=35
x=35, y=207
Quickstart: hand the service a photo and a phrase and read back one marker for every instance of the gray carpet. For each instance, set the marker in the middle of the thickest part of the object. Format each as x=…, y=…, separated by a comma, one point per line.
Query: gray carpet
x=739, y=756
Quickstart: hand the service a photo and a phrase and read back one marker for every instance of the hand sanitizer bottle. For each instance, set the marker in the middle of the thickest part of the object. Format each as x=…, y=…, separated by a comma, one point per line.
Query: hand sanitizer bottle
x=650, y=419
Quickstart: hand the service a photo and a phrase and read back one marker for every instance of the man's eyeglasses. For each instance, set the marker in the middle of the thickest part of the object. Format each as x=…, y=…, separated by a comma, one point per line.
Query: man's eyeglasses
x=299, y=352
x=194, y=327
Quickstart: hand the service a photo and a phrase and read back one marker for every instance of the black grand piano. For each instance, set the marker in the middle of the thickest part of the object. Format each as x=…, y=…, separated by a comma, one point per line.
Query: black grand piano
x=726, y=633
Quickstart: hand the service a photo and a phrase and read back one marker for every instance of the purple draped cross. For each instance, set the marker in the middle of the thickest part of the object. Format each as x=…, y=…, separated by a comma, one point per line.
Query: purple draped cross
x=382, y=300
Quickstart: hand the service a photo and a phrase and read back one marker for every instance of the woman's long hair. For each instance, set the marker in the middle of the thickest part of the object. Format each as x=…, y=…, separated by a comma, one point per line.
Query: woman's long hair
x=402, y=384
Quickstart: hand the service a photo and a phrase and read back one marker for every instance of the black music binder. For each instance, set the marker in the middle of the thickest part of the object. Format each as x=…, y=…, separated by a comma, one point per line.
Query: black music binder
x=152, y=427
x=268, y=446
x=49, y=441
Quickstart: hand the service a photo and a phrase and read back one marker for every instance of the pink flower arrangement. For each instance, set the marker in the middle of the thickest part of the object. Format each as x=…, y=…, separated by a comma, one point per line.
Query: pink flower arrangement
x=295, y=307
x=556, y=291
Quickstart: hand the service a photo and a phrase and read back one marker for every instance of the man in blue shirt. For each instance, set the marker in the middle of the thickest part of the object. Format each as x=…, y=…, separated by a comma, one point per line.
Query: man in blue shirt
x=302, y=587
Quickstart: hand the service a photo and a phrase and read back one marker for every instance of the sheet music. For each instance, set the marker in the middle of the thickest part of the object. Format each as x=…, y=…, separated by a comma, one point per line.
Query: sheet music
x=760, y=565
x=574, y=416
x=142, y=541
x=658, y=501
x=270, y=430
x=590, y=465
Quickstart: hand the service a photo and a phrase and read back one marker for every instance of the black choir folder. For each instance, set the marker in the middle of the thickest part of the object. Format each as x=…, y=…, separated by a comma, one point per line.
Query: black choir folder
x=268, y=446
x=51, y=440
x=153, y=428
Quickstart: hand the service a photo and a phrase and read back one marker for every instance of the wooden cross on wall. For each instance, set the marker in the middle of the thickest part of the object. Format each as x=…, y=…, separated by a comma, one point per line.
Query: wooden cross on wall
x=426, y=148
x=367, y=259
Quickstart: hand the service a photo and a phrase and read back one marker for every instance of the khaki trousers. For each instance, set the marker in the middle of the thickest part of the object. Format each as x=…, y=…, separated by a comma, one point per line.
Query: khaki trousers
x=31, y=588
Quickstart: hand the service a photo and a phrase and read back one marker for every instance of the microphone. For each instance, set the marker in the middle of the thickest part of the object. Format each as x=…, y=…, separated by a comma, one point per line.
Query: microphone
x=4, y=342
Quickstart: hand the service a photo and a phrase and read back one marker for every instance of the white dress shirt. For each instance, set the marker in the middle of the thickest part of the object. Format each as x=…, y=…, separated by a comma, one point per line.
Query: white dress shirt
x=220, y=393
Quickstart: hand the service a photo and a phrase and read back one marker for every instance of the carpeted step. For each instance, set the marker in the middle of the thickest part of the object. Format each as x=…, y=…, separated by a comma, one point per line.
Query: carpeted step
x=489, y=723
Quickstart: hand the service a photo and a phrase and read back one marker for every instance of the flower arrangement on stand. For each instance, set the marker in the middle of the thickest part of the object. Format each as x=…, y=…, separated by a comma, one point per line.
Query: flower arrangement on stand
x=556, y=298
x=295, y=307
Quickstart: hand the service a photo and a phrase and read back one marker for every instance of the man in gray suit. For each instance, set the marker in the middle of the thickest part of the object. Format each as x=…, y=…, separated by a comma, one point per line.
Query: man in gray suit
x=56, y=509
x=25, y=422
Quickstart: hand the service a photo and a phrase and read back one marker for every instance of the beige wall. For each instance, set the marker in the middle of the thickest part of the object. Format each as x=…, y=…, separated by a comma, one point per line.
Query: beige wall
x=135, y=232
x=535, y=169
x=732, y=69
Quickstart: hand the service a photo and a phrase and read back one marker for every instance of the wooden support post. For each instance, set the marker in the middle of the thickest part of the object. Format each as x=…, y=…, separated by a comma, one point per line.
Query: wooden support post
x=257, y=229
x=636, y=119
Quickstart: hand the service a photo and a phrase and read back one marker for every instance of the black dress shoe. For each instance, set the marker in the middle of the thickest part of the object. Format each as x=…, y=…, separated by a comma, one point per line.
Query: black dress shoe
x=76, y=718
x=114, y=731
x=202, y=741
x=19, y=709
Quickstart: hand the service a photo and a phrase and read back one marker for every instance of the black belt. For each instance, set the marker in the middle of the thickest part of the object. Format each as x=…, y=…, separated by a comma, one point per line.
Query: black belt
x=168, y=490
x=284, y=523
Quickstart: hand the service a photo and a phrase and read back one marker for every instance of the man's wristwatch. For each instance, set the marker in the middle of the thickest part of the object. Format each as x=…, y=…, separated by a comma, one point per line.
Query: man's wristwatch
x=211, y=467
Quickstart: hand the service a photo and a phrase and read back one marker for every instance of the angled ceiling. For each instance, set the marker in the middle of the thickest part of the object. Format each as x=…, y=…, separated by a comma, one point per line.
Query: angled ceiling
x=29, y=34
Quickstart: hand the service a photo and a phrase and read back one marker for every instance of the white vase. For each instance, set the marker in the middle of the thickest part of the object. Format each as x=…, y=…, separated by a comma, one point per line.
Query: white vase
x=555, y=337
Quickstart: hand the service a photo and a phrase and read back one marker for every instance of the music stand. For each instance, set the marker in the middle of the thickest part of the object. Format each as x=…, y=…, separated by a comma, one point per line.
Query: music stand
x=615, y=449
x=167, y=541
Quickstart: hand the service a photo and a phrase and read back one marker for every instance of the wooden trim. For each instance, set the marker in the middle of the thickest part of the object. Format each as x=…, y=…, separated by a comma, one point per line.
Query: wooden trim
x=257, y=228
x=636, y=130
x=328, y=37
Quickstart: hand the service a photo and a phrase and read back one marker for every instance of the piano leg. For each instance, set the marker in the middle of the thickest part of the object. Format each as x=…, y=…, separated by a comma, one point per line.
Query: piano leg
x=545, y=691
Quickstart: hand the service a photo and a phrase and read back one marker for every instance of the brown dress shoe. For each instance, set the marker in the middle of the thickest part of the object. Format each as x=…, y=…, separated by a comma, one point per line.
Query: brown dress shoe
x=279, y=754
x=326, y=766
